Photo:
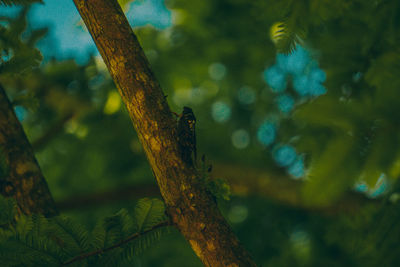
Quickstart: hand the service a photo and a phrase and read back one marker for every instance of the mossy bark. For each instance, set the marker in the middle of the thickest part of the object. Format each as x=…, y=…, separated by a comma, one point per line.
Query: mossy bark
x=191, y=208
x=21, y=177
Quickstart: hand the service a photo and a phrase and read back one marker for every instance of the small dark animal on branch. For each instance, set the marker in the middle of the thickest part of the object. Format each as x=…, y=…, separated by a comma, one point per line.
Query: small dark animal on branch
x=187, y=136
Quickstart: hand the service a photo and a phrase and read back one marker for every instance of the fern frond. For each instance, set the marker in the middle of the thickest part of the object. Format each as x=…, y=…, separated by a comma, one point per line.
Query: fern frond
x=113, y=228
x=148, y=212
x=98, y=236
x=38, y=241
x=29, y=250
x=24, y=225
x=119, y=237
x=19, y=2
x=127, y=222
x=5, y=234
x=7, y=210
x=286, y=35
x=68, y=235
x=40, y=224
x=124, y=251
x=145, y=241
x=107, y=232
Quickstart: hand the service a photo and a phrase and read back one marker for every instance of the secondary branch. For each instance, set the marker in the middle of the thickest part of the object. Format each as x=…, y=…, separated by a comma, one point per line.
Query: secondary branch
x=22, y=177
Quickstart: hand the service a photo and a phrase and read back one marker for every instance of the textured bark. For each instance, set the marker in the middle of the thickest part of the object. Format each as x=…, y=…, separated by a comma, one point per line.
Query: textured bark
x=191, y=208
x=21, y=174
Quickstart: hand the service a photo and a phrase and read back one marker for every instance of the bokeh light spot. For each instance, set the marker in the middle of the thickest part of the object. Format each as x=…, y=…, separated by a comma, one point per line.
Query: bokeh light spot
x=20, y=112
x=246, y=95
x=380, y=187
x=275, y=78
x=294, y=62
x=317, y=75
x=284, y=155
x=220, y=111
x=240, y=139
x=266, y=133
x=113, y=103
x=317, y=89
x=301, y=84
x=217, y=71
x=285, y=103
x=238, y=214
x=296, y=169
x=361, y=187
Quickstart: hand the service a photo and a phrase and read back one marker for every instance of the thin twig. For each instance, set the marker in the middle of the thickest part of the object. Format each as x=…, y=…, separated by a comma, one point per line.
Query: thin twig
x=119, y=244
x=52, y=132
x=100, y=198
x=277, y=187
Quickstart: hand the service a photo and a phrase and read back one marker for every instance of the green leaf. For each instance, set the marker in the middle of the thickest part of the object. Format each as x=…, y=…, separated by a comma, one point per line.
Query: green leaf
x=219, y=188
x=26, y=59
x=331, y=173
x=19, y=2
x=327, y=112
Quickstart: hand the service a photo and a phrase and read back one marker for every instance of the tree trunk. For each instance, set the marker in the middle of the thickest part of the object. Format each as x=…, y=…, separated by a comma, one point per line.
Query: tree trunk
x=20, y=175
x=191, y=208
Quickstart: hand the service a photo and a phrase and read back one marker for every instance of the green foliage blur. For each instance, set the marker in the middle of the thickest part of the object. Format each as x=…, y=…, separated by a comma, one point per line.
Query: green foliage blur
x=215, y=51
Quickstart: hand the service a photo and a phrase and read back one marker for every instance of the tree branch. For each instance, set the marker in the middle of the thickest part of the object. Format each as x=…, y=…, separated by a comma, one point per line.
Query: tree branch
x=244, y=181
x=284, y=190
x=55, y=129
x=97, y=199
x=191, y=208
x=23, y=178
x=117, y=245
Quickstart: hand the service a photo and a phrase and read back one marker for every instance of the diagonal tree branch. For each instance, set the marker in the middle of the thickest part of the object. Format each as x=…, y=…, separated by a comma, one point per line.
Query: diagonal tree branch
x=191, y=208
x=21, y=174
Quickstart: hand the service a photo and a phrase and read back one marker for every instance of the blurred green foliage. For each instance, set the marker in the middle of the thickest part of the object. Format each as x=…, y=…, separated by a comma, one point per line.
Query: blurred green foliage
x=215, y=51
